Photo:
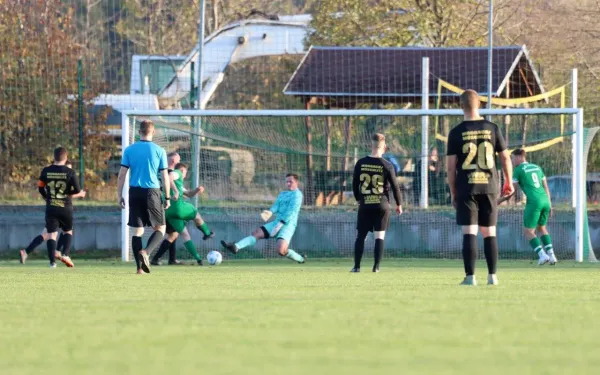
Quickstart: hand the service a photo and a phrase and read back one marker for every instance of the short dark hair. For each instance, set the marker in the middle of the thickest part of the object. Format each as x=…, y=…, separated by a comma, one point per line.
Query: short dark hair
x=519, y=152
x=469, y=100
x=60, y=154
x=146, y=126
x=181, y=165
x=171, y=154
x=295, y=176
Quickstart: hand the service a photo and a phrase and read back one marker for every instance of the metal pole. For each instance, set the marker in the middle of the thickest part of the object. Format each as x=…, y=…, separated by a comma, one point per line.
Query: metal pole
x=490, y=51
x=424, y=201
x=198, y=121
x=581, y=190
x=80, y=119
x=574, y=100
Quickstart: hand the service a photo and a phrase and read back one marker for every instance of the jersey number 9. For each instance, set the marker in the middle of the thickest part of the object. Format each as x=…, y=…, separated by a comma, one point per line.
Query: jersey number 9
x=484, y=154
x=371, y=184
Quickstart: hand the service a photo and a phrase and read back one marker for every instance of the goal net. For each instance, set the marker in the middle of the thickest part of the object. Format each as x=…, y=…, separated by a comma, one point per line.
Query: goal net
x=241, y=158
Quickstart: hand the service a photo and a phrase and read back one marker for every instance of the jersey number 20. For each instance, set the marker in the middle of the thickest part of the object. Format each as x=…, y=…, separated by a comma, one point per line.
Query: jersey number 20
x=484, y=153
x=376, y=182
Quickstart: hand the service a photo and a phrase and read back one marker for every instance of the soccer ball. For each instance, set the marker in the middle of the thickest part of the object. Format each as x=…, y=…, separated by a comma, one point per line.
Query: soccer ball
x=214, y=258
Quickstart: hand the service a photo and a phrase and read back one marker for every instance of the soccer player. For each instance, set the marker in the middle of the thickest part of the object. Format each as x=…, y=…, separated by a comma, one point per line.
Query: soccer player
x=64, y=239
x=286, y=210
x=538, y=209
x=145, y=160
x=179, y=214
x=474, y=185
x=57, y=184
x=371, y=182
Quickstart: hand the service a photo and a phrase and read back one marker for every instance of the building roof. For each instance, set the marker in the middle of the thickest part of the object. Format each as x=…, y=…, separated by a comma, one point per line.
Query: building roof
x=371, y=74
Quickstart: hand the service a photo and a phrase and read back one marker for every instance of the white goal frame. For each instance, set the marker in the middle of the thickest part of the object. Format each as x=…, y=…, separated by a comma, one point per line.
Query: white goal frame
x=579, y=179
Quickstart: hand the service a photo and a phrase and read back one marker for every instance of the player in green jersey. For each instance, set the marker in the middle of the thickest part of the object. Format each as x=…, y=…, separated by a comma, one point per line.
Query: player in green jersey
x=180, y=213
x=538, y=209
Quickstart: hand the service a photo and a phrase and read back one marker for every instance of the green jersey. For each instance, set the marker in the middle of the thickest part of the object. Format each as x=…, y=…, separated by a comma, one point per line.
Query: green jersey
x=179, y=184
x=531, y=179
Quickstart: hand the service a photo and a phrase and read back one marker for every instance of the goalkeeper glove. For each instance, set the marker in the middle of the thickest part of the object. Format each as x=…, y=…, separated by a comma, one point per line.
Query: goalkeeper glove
x=266, y=215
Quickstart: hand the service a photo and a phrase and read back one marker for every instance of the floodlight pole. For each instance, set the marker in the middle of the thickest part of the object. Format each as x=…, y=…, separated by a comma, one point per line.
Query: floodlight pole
x=197, y=122
x=490, y=51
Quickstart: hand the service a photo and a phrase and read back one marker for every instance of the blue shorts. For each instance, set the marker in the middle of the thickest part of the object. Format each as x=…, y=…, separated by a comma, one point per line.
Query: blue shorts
x=276, y=229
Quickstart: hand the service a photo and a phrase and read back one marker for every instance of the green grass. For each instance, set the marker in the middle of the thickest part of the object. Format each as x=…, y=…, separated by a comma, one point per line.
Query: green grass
x=276, y=317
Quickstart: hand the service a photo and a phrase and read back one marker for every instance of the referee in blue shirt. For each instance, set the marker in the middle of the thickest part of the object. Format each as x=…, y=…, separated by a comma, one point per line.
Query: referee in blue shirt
x=145, y=160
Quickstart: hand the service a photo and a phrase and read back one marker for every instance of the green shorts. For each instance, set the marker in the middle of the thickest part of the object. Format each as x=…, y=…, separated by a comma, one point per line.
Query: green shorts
x=180, y=213
x=536, y=214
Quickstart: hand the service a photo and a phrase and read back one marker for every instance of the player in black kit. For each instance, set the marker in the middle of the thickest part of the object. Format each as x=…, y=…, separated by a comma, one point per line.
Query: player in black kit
x=474, y=183
x=371, y=182
x=58, y=184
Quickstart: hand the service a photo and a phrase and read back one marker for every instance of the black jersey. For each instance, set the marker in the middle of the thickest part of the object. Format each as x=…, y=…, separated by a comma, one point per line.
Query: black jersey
x=58, y=182
x=475, y=144
x=371, y=183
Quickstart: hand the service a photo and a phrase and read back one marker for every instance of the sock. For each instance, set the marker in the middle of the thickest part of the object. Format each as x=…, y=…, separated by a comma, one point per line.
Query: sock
x=547, y=241
x=61, y=242
x=154, y=240
x=34, y=243
x=204, y=229
x=536, y=245
x=136, y=246
x=469, y=252
x=359, y=249
x=191, y=248
x=490, y=248
x=246, y=242
x=173, y=252
x=378, y=251
x=164, y=246
x=51, y=245
x=67, y=239
x=294, y=256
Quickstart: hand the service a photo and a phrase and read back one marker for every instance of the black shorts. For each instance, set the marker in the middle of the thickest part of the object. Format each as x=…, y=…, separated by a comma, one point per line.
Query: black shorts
x=59, y=217
x=170, y=228
x=478, y=209
x=145, y=208
x=372, y=219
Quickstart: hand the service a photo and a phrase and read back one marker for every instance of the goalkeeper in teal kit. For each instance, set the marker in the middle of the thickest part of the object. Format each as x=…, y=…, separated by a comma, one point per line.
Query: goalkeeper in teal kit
x=286, y=210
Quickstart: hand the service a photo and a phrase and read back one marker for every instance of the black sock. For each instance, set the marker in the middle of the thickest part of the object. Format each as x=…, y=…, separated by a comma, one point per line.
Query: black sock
x=136, y=246
x=154, y=240
x=359, y=248
x=61, y=242
x=469, y=252
x=51, y=245
x=164, y=246
x=34, y=243
x=67, y=239
x=490, y=248
x=172, y=252
x=379, y=243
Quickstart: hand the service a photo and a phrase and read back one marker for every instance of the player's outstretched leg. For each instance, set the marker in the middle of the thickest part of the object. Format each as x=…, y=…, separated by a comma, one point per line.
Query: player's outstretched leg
x=154, y=241
x=285, y=251
x=37, y=241
x=469, y=253
x=245, y=242
x=379, y=244
x=203, y=227
x=162, y=249
x=66, y=239
x=359, y=248
x=547, y=242
x=190, y=247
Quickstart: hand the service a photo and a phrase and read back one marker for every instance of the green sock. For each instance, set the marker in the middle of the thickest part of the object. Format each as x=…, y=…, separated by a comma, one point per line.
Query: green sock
x=536, y=245
x=547, y=241
x=295, y=256
x=191, y=248
x=204, y=229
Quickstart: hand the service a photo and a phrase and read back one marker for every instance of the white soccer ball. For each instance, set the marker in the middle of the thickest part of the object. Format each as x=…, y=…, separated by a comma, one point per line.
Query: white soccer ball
x=214, y=258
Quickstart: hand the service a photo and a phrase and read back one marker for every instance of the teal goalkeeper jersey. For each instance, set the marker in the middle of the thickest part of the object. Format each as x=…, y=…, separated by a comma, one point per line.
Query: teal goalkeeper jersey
x=287, y=206
x=530, y=178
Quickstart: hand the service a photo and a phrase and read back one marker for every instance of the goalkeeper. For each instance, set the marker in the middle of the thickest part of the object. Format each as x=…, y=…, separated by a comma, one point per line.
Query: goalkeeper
x=179, y=213
x=538, y=209
x=286, y=208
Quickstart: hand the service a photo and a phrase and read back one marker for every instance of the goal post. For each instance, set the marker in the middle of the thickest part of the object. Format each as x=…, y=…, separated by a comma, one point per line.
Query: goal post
x=245, y=151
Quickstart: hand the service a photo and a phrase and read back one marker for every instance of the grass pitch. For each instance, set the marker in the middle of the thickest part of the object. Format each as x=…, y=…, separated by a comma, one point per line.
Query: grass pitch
x=276, y=317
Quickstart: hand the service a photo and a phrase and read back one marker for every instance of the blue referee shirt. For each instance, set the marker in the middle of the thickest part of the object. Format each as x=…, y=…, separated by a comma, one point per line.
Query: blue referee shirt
x=145, y=160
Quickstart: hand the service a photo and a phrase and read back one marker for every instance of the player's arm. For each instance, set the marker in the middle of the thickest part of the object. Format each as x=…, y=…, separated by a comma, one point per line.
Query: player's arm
x=507, y=167
x=42, y=185
x=172, y=177
x=265, y=215
x=545, y=182
x=391, y=174
x=166, y=181
x=356, y=182
x=451, y=161
x=194, y=192
x=121, y=184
